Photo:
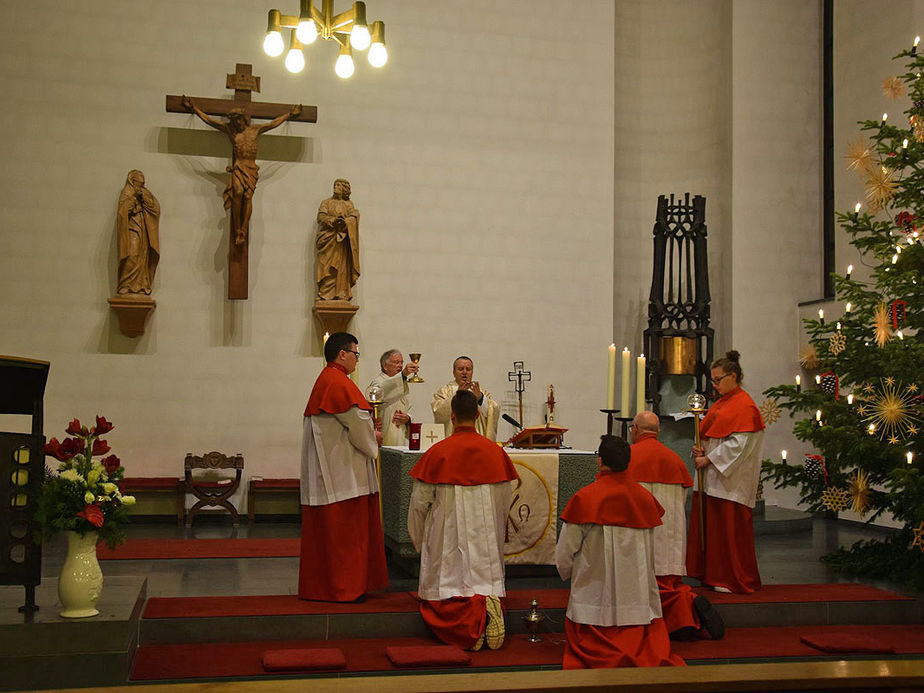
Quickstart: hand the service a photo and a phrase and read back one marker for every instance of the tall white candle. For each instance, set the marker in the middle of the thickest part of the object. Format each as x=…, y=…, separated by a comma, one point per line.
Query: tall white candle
x=640, y=384
x=611, y=378
x=624, y=401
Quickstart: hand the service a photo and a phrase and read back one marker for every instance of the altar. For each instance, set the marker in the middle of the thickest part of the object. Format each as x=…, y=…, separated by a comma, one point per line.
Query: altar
x=548, y=479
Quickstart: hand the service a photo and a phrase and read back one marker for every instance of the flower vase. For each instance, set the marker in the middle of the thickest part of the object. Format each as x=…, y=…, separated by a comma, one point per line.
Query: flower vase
x=81, y=580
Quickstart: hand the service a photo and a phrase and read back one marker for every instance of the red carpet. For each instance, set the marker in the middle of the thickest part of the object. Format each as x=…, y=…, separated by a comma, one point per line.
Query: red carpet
x=218, y=660
x=392, y=602
x=150, y=549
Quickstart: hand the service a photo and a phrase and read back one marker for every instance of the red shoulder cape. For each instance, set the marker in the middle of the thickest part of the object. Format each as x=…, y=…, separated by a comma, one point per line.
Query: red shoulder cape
x=334, y=393
x=614, y=499
x=734, y=412
x=655, y=463
x=466, y=458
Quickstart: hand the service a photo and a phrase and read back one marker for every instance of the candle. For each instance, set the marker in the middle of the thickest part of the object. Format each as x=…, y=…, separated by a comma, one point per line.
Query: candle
x=611, y=378
x=640, y=378
x=904, y=145
x=850, y=267
x=821, y=315
x=914, y=48
x=783, y=454
x=818, y=416
x=900, y=334
x=848, y=306
x=850, y=399
x=885, y=117
x=871, y=428
x=818, y=380
x=624, y=400
x=856, y=211
x=798, y=383
x=909, y=456
x=838, y=326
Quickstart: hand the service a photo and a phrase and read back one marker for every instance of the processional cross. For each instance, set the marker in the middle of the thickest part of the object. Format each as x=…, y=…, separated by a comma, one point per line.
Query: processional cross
x=520, y=376
x=242, y=173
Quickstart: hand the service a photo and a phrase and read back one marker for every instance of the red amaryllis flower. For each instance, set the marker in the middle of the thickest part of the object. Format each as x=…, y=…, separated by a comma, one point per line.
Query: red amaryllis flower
x=74, y=428
x=92, y=514
x=102, y=426
x=111, y=464
x=100, y=447
x=62, y=451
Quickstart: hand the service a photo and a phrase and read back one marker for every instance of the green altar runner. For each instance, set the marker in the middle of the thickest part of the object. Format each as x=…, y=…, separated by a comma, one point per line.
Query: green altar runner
x=548, y=479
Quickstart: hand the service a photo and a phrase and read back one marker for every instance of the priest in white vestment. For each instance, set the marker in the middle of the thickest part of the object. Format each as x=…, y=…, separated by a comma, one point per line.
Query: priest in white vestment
x=488, y=411
x=394, y=407
x=456, y=519
x=606, y=548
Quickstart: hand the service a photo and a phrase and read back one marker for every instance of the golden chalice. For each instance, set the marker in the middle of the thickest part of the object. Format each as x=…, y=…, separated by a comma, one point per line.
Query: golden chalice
x=416, y=377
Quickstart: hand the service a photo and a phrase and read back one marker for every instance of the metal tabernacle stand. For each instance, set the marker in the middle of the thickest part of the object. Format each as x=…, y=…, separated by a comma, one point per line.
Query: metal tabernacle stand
x=22, y=469
x=678, y=340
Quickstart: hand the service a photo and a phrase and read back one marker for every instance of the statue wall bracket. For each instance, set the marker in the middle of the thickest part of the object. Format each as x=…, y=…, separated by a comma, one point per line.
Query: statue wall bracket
x=334, y=316
x=133, y=311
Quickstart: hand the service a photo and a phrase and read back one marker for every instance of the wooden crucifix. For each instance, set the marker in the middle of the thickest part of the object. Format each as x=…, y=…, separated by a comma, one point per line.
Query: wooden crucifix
x=243, y=171
x=520, y=376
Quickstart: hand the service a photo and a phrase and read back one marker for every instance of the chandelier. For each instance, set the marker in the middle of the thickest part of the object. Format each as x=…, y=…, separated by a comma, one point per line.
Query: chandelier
x=349, y=29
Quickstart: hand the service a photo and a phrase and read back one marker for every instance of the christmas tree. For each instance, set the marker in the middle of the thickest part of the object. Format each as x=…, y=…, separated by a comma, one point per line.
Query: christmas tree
x=863, y=415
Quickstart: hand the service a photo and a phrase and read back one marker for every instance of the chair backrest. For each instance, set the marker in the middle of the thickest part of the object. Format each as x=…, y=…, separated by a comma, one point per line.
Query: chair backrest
x=214, y=460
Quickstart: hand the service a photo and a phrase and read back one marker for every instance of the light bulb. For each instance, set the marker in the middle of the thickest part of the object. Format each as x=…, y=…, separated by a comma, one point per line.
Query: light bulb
x=378, y=55
x=273, y=45
x=909, y=456
x=360, y=38
x=895, y=258
x=905, y=143
x=307, y=31
x=344, y=66
x=849, y=270
x=818, y=415
x=295, y=60
x=885, y=117
x=783, y=454
x=871, y=428
x=856, y=208
x=818, y=380
x=848, y=306
x=850, y=399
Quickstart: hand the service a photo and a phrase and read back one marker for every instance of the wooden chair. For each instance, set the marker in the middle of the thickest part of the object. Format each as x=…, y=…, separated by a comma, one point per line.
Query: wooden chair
x=213, y=493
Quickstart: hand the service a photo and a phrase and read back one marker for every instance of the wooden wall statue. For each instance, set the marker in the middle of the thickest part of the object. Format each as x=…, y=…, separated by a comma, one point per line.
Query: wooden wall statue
x=337, y=265
x=138, y=238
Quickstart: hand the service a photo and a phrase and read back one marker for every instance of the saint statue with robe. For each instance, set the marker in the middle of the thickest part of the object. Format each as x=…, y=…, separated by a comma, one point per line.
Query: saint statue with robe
x=337, y=243
x=138, y=240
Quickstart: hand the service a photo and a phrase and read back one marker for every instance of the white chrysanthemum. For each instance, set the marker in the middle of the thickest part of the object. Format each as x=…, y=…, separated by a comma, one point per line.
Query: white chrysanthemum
x=93, y=477
x=72, y=475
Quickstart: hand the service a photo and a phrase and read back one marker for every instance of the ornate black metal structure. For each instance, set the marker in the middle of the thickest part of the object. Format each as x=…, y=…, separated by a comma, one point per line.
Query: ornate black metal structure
x=22, y=469
x=678, y=306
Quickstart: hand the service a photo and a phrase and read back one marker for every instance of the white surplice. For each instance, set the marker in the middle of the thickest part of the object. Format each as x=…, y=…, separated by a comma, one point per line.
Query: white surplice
x=670, y=537
x=488, y=411
x=612, y=574
x=395, y=390
x=459, y=531
x=338, y=457
x=735, y=469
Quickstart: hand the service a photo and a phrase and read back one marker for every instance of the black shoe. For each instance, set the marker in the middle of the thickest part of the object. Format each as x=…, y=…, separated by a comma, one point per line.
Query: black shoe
x=709, y=618
x=685, y=634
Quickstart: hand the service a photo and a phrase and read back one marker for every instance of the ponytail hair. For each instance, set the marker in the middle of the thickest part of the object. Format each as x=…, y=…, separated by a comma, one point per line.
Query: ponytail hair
x=730, y=364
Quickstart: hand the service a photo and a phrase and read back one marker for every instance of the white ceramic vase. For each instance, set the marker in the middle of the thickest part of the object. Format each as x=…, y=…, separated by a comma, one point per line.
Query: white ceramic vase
x=81, y=580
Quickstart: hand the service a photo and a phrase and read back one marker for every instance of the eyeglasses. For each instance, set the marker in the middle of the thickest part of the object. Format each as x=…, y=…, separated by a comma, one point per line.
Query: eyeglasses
x=716, y=381
x=355, y=353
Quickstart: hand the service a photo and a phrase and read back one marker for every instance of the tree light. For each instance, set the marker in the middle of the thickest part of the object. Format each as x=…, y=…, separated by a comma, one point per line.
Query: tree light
x=848, y=306
x=783, y=454
x=818, y=380
x=909, y=456
x=821, y=315
x=885, y=117
x=850, y=398
x=849, y=268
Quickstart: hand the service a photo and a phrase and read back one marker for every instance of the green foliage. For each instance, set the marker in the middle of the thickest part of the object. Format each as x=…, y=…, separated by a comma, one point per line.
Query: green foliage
x=890, y=238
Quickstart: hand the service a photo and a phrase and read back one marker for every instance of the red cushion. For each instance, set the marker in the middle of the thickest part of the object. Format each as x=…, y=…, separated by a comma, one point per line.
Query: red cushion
x=292, y=660
x=427, y=656
x=845, y=642
x=275, y=483
x=165, y=482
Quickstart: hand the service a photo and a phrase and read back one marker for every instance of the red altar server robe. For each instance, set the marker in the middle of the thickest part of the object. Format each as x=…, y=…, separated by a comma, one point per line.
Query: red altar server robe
x=456, y=519
x=732, y=433
x=343, y=548
x=660, y=470
x=606, y=548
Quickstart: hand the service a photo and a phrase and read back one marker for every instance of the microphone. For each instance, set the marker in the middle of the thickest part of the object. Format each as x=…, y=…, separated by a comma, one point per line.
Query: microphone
x=511, y=420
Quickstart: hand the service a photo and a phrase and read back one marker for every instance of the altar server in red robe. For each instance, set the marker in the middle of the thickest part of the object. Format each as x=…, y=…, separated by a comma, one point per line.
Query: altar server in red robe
x=343, y=549
x=606, y=548
x=456, y=519
x=732, y=434
x=660, y=470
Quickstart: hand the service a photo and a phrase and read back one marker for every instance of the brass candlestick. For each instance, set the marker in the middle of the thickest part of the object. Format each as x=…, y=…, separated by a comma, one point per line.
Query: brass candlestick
x=532, y=621
x=416, y=377
x=696, y=405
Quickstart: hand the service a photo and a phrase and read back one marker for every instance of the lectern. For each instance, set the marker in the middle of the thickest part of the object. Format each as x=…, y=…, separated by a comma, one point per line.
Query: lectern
x=533, y=437
x=22, y=469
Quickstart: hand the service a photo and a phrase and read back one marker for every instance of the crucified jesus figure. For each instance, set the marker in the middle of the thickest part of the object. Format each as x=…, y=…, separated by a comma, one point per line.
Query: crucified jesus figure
x=243, y=171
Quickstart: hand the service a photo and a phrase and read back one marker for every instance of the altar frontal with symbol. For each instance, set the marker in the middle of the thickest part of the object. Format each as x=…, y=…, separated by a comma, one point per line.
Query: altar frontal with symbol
x=531, y=529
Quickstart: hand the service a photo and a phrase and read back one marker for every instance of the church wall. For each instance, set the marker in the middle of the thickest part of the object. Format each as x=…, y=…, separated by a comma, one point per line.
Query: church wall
x=480, y=159
x=776, y=197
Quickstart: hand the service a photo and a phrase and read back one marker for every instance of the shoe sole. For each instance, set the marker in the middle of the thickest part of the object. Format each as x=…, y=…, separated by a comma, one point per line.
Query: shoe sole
x=710, y=619
x=494, y=629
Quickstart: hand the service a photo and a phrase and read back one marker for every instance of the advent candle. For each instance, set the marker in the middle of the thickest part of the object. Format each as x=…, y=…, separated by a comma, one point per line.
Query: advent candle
x=611, y=378
x=624, y=400
x=640, y=378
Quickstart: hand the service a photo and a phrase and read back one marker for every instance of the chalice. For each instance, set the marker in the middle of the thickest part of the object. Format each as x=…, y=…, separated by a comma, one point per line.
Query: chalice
x=532, y=621
x=416, y=377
